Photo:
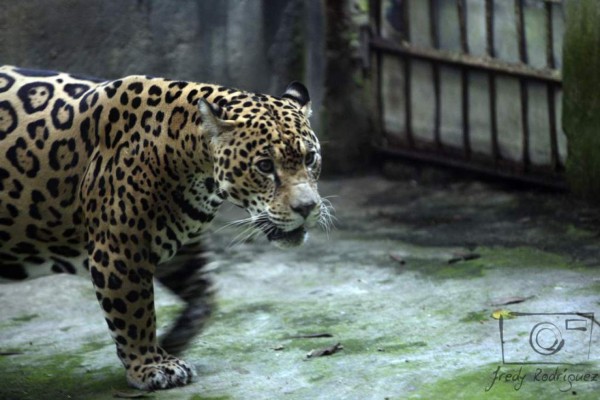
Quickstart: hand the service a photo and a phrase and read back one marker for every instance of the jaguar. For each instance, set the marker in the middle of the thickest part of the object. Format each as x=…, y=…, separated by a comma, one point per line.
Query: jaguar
x=119, y=179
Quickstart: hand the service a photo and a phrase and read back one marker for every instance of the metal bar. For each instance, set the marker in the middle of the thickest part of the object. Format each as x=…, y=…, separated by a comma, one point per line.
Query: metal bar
x=554, y=157
x=364, y=49
x=408, y=102
x=375, y=11
x=494, y=117
x=379, y=92
x=407, y=76
x=462, y=23
x=434, y=19
x=551, y=63
x=473, y=62
x=405, y=20
x=550, y=59
x=520, y=24
x=465, y=112
x=491, y=52
x=489, y=28
x=522, y=42
x=435, y=41
x=464, y=42
x=547, y=180
x=525, y=122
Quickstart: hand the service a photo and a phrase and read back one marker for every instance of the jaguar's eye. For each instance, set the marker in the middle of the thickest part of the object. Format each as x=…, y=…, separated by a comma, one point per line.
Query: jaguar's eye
x=265, y=166
x=310, y=158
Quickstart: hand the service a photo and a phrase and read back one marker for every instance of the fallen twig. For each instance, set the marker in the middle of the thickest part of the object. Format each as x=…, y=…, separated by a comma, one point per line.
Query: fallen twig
x=510, y=300
x=310, y=336
x=131, y=395
x=10, y=353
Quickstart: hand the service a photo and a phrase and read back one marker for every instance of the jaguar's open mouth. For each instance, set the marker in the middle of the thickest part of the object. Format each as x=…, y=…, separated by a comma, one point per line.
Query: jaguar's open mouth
x=285, y=238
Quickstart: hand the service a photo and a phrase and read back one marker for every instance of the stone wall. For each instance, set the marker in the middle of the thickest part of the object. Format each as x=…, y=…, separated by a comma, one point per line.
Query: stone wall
x=257, y=45
x=230, y=42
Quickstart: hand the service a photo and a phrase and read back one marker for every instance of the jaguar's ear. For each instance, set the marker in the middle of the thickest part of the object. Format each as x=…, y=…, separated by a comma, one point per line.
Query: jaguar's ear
x=212, y=119
x=299, y=94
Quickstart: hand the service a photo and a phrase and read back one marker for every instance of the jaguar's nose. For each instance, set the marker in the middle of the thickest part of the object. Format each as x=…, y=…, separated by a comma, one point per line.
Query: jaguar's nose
x=304, y=209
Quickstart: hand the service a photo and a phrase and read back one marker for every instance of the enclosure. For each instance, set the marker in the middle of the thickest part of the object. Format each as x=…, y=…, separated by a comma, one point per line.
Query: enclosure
x=459, y=145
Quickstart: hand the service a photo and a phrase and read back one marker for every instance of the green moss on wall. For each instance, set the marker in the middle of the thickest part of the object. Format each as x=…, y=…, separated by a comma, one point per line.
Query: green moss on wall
x=581, y=109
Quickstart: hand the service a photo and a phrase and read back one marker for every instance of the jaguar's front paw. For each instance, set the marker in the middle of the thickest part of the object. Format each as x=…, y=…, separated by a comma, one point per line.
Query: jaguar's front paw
x=157, y=371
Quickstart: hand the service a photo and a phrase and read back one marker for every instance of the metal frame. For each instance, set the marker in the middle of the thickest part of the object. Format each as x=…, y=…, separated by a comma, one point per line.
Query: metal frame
x=493, y=163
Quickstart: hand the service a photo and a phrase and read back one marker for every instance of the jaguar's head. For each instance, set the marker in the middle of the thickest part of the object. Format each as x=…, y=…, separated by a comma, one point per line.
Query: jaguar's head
x=267, y=160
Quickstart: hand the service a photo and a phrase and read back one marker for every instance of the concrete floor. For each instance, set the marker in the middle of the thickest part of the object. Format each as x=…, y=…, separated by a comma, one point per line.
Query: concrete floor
x=407, y=283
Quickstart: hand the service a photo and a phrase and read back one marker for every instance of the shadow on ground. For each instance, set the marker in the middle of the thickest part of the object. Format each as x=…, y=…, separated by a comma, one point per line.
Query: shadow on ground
x=407, y=283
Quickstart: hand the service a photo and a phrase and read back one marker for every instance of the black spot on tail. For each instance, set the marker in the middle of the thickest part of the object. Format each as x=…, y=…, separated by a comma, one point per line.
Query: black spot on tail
x=6, y=82
x=8, y=119
x=13, y=271
x=75, y=90
x=35, y=96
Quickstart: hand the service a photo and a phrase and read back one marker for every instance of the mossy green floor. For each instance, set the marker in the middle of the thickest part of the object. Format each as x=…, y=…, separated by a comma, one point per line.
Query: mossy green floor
x=411, y=323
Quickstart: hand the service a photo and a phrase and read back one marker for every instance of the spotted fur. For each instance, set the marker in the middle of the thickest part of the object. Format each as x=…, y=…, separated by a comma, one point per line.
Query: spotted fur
x=119, y=179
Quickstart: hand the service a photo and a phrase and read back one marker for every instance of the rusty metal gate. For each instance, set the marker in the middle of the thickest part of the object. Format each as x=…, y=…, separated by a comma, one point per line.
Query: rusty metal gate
x=474, y=84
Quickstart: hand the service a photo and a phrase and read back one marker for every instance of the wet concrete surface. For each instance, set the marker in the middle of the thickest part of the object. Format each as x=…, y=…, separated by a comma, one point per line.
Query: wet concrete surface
x=407, y=283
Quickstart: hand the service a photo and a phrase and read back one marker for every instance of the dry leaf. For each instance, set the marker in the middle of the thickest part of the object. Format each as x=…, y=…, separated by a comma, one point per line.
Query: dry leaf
x=327, y=351
x=505, y=314
x=398, y=258
x=278, y=347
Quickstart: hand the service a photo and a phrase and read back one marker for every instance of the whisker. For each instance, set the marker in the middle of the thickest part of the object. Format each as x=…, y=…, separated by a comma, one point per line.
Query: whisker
x=240, y=222
x=326, y=217
x=237, y=223
x=250, y=228
x=241, y=237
